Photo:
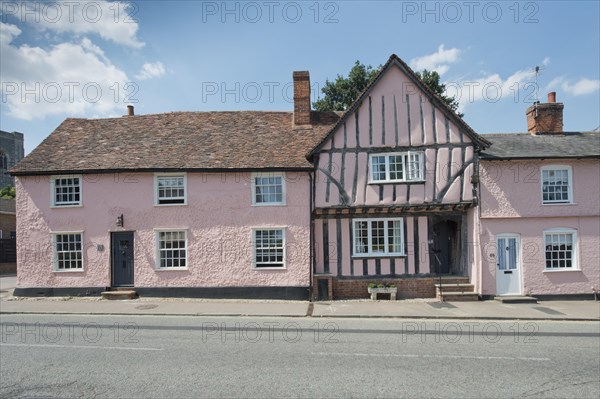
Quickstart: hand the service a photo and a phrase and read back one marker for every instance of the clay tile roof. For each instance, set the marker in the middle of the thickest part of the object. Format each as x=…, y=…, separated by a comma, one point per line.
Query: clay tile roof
x=179, y=140
x=527, y=146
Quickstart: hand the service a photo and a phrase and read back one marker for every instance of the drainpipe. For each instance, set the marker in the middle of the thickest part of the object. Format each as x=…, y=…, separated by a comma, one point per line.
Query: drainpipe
x=312, y=234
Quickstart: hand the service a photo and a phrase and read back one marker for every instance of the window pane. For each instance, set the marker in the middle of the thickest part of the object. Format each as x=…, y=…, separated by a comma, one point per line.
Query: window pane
x=268, y=190
x=378, y=168
x=555, y=185
x=268, y=248
x=396, y=167
x=172, y=248
x=414, y=166
x=68, y=251
x=171, y=189
x=395, y=236
x=559, y=250
x=67, y=191
x=361, y=237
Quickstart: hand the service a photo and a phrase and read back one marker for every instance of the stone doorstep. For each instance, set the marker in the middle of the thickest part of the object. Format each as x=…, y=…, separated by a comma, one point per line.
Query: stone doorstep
x=455, y=287
x=120, y=294
x=516, y=299
x=459, y=296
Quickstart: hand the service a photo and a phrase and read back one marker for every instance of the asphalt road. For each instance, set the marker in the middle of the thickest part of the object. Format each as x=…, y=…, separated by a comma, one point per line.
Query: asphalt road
x=183, y=357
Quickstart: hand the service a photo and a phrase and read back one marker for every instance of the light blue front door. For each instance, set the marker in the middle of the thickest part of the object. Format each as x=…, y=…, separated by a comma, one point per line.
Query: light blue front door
x=508, y=268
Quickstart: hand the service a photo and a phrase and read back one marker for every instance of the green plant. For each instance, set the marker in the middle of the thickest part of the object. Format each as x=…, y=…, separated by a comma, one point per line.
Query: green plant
x=372, y=285
x=381, y=285
x=8, y=192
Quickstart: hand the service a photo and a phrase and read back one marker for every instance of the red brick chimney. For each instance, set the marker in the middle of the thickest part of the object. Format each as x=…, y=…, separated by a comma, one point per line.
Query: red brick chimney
x=545, y=118
x=301, y=98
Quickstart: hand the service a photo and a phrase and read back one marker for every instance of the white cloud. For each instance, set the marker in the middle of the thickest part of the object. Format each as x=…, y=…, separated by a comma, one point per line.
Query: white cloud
x=8, y=32
x=518, y=87
x=72, y=79
x=580, y=88
x=149, y=71
x=438, y=61
x=112, y=21
x=546, y=61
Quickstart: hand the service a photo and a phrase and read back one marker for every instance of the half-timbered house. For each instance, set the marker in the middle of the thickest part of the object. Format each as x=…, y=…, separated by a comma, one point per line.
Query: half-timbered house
x=394, y=192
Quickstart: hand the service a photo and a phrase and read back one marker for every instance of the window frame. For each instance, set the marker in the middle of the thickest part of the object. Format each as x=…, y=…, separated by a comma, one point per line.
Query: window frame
x=55, y=267
x=157, y=263
x=370, y=253
x=157, y=176
x=253, y=177
x=406, y=169
x=574, y=249
x=569, y=170
x=284, y=250
x=53, y=203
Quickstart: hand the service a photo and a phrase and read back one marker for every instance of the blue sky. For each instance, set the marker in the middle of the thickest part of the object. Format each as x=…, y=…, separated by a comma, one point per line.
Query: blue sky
x=91, y=58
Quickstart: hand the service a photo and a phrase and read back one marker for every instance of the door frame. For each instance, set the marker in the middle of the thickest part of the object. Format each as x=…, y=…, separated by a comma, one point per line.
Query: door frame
x=519, y=261
x=112, y=258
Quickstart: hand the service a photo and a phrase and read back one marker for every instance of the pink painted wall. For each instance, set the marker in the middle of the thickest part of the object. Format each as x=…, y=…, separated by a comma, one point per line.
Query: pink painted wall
x=511, y=203
x=394, y=98
x=219, y=218
x=513, y=189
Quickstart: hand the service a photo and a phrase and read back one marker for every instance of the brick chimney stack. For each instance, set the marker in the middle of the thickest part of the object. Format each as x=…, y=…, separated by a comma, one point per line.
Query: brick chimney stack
x=545, y=118
x=301, y=98
x=130, y=111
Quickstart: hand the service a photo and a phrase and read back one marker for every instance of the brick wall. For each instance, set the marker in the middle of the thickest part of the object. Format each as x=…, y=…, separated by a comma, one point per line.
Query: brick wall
x=8, y=268
x=413, y=287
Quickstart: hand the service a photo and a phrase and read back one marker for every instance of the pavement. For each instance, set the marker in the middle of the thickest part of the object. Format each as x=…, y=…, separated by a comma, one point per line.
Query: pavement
x=411, y=309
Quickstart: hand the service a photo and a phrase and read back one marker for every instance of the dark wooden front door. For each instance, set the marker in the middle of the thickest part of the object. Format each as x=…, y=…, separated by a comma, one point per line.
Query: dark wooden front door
x=122, y=259
x=446, y=247
x=440, y=250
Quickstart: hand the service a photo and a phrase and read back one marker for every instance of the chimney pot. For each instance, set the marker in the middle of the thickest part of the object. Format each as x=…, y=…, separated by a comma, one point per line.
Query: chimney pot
x=130, y=111
x=301, y=98
x=552, y=97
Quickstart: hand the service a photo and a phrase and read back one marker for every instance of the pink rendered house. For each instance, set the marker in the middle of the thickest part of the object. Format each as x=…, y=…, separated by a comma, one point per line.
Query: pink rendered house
x=211, y=204
x=539, y=217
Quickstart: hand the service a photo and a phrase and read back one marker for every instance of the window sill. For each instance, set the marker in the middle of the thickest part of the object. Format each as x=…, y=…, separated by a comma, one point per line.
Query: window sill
x=171, y=269
x=270, y=204
x=68, y=271
x=558, y=203
x=561, y=270
x=380, y=256
x=66, y=206
x=268, y=268
x=182, y=204
x=396, y=182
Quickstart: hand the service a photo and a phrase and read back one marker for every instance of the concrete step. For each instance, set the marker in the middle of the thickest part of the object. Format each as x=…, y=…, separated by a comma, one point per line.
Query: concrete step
x=516, y=299
x=458, y=296
x=452, y=280
x=119, y=294
x=454, y=287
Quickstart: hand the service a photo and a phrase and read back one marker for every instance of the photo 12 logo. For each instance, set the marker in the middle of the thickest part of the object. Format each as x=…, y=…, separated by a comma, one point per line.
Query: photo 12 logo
x=68, y=11
x=470, y=11
x=68, y=92
x=253, y=12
